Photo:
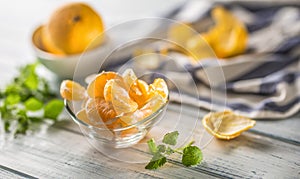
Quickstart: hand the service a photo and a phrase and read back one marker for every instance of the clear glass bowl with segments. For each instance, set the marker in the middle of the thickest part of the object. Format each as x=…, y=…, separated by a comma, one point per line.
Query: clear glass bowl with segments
x=103, y=138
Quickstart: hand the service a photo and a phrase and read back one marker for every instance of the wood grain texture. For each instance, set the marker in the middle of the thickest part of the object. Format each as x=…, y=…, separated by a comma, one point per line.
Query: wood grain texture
x=10, y=173
x=64, y=152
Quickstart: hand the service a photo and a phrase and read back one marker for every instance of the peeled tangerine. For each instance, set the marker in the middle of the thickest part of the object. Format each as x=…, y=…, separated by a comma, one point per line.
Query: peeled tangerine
x=229, y=36
x=96, y=87
x=151, y=106
x=116, y=101
x=226, y=125
x=71, y=90
x=120, y=99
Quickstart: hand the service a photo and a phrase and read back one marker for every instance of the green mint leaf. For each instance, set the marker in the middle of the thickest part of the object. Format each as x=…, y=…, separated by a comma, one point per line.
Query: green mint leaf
x=35, y=119
x=12, y=99
x=29, y=77
x=157, y=161
x=169, y=151
x=23, y=123
x=53, y=109
x=161, y=148
x=171, y=138
x=12, y=88
x=32, y=81
x=33, y=104
x=28, y=69
x=152, y=146
x=192, y=155
x=6, y=126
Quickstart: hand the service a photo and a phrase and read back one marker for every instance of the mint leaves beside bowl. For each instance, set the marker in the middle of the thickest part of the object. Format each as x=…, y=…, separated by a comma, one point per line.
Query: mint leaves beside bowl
x=190, y=155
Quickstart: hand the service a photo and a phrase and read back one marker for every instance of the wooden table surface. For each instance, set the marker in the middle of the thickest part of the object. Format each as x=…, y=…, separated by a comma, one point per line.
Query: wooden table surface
x=270, y=150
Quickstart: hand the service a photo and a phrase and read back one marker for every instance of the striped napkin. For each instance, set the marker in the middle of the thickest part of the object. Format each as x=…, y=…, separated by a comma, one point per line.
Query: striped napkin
x=264, y=82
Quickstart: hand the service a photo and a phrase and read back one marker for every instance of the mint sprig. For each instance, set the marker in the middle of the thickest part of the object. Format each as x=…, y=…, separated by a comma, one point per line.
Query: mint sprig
x=27, y=93
x=171, y=138
x=191, y=155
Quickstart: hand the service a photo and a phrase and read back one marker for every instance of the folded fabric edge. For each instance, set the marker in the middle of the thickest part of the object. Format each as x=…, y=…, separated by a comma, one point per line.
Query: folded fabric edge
x=255, y=114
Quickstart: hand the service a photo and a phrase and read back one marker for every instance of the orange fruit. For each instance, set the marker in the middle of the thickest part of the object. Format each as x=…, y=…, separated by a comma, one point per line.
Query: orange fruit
x=46, y=44
x=74, y=27
x=71, y=90
x=96, y=88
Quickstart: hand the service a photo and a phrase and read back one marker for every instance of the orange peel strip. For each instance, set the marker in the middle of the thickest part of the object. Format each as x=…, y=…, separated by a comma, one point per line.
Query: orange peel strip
x=226, y=124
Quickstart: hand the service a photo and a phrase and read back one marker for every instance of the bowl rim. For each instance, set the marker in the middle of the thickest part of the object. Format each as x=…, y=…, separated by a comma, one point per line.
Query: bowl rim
x=51, y=56
x=148, y=118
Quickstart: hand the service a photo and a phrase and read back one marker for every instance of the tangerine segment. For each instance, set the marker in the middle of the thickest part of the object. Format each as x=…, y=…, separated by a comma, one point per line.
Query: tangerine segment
x=226, y=124
x=71, y=90
x=99, y=111
x=161, y=87
x=136, y=116
x=139, y=92
x=229, y=36
x=107, y=90
x=129, y=77
x=96, y=87
x=118, y=123
x=83, y=116
x=105, y=109
x=120, y=100
x=153, y=104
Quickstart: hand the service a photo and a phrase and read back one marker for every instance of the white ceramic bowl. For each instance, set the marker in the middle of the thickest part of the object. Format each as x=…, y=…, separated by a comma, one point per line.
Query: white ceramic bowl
x=64, y=66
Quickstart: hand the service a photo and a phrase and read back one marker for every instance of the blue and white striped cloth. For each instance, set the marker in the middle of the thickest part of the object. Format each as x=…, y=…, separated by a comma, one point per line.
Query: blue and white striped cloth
x=264, y=82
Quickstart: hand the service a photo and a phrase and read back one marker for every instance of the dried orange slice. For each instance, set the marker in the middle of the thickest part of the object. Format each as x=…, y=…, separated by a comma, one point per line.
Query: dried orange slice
x=71, y=90
x=139, y=92
x=96, y=87
x=161, y=87
x=226, y=125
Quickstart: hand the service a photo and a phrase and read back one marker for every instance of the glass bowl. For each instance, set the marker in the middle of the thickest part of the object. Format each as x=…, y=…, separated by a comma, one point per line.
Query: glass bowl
x=103, y=138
